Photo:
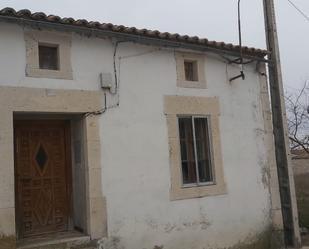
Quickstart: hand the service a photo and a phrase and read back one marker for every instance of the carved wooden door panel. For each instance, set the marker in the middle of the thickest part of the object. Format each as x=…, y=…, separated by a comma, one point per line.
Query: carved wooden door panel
x=43, y=178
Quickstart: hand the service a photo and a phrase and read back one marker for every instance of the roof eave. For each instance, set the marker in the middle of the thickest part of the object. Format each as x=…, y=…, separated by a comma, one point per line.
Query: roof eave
x=122, y=36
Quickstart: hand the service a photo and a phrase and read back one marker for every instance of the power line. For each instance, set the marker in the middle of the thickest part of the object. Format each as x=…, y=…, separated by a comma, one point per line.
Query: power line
x=299, y=10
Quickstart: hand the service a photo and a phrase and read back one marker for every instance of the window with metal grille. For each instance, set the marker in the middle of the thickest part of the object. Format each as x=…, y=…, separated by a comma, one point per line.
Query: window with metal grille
x=48, y=57
x=195, y=145
x=191, y=73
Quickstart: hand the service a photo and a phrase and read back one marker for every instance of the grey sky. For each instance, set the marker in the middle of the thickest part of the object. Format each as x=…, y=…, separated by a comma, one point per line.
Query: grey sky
x=213, y=19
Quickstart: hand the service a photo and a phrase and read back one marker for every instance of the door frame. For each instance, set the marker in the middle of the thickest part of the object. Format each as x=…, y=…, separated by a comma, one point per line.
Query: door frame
x=68, y=169
x=34, y=101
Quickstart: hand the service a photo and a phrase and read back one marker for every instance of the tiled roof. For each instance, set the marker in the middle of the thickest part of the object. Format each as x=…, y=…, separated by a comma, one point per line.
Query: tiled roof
x=120, y=29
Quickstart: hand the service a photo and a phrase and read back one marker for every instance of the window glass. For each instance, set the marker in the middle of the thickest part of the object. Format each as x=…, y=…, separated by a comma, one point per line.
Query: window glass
x=203, y=149
x=195, y=150
x=48, y=57
x=190, y=70
x=187, y=150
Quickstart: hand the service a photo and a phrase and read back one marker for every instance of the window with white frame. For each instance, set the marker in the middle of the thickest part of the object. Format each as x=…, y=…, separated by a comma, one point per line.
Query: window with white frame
x=196, y=161
x=195, y=147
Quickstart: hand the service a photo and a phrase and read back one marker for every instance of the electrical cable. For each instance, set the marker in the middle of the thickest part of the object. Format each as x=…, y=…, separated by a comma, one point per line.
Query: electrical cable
x=115, y=68
x=239, y=33
x=239, y=60
x=299, y=10
x=99, y=112
x=117, y=78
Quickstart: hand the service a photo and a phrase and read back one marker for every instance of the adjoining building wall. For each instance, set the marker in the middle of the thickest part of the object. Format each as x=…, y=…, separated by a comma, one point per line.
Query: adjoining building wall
x=301, y=176
x=301, y=166
x=135, y=153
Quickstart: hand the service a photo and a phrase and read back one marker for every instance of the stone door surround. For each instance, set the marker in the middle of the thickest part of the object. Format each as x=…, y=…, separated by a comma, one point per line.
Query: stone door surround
x=35, y=101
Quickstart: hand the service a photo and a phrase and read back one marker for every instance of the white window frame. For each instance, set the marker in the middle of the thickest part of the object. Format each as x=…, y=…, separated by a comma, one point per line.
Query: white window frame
x=198, y=183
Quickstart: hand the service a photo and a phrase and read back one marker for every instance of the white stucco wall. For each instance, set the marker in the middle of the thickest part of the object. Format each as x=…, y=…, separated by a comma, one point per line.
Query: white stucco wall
x=135, y=153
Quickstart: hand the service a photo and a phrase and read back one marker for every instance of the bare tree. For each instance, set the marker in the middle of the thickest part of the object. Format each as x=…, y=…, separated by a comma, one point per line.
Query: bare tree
x=297, y=105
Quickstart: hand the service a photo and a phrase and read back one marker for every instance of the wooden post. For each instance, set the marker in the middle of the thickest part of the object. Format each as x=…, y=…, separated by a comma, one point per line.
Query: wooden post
x=285, y=173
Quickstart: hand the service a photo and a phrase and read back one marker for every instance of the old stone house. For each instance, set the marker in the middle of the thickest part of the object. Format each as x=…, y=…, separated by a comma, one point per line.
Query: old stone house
x=132, y=138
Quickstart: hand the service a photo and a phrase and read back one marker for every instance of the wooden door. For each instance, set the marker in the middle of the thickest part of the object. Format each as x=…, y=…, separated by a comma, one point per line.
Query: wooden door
x=43, y=177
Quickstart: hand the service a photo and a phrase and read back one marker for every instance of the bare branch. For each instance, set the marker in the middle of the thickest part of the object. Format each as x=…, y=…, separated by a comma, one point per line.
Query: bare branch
x=297, y=107
x=300, y=144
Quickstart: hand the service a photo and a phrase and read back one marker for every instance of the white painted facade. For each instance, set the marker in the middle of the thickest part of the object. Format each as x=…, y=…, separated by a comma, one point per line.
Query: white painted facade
x=134, y=143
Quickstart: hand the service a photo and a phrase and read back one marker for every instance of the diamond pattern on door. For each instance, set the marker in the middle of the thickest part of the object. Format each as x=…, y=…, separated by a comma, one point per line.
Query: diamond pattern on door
x=43, y=207
x=41, y=157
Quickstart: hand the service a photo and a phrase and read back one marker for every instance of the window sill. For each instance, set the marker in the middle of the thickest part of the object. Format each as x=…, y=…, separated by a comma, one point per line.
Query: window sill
x=194, y=185
x=182, y=193
x=51, y=74
x=192, y=84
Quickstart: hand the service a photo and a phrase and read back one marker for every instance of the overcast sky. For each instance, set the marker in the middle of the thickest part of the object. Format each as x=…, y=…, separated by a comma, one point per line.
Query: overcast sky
x=212, y=19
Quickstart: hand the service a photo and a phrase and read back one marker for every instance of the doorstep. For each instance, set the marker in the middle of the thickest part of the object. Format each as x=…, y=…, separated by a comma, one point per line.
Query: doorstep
x=66, y=240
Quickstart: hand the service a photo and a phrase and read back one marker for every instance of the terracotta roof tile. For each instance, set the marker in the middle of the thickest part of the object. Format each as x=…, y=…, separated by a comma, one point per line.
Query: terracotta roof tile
x=52, y=18
x=42, y=17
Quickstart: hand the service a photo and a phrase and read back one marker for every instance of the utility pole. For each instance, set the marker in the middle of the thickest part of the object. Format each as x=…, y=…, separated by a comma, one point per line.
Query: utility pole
x=285, y=174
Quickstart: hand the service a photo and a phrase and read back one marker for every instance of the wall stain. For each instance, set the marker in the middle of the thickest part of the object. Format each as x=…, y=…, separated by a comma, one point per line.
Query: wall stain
x=266, y=176
x=262, y=158
x=169, y=227
x=152, y=223
x=158, y=247
x=110, y=243
x=118, y=225
x=268, y=239
x=202, y=224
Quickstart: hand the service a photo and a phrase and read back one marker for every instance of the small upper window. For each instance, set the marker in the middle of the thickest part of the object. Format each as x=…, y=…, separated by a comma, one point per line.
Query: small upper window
x=48, y=57
x=195, y=145
x=191, y=73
